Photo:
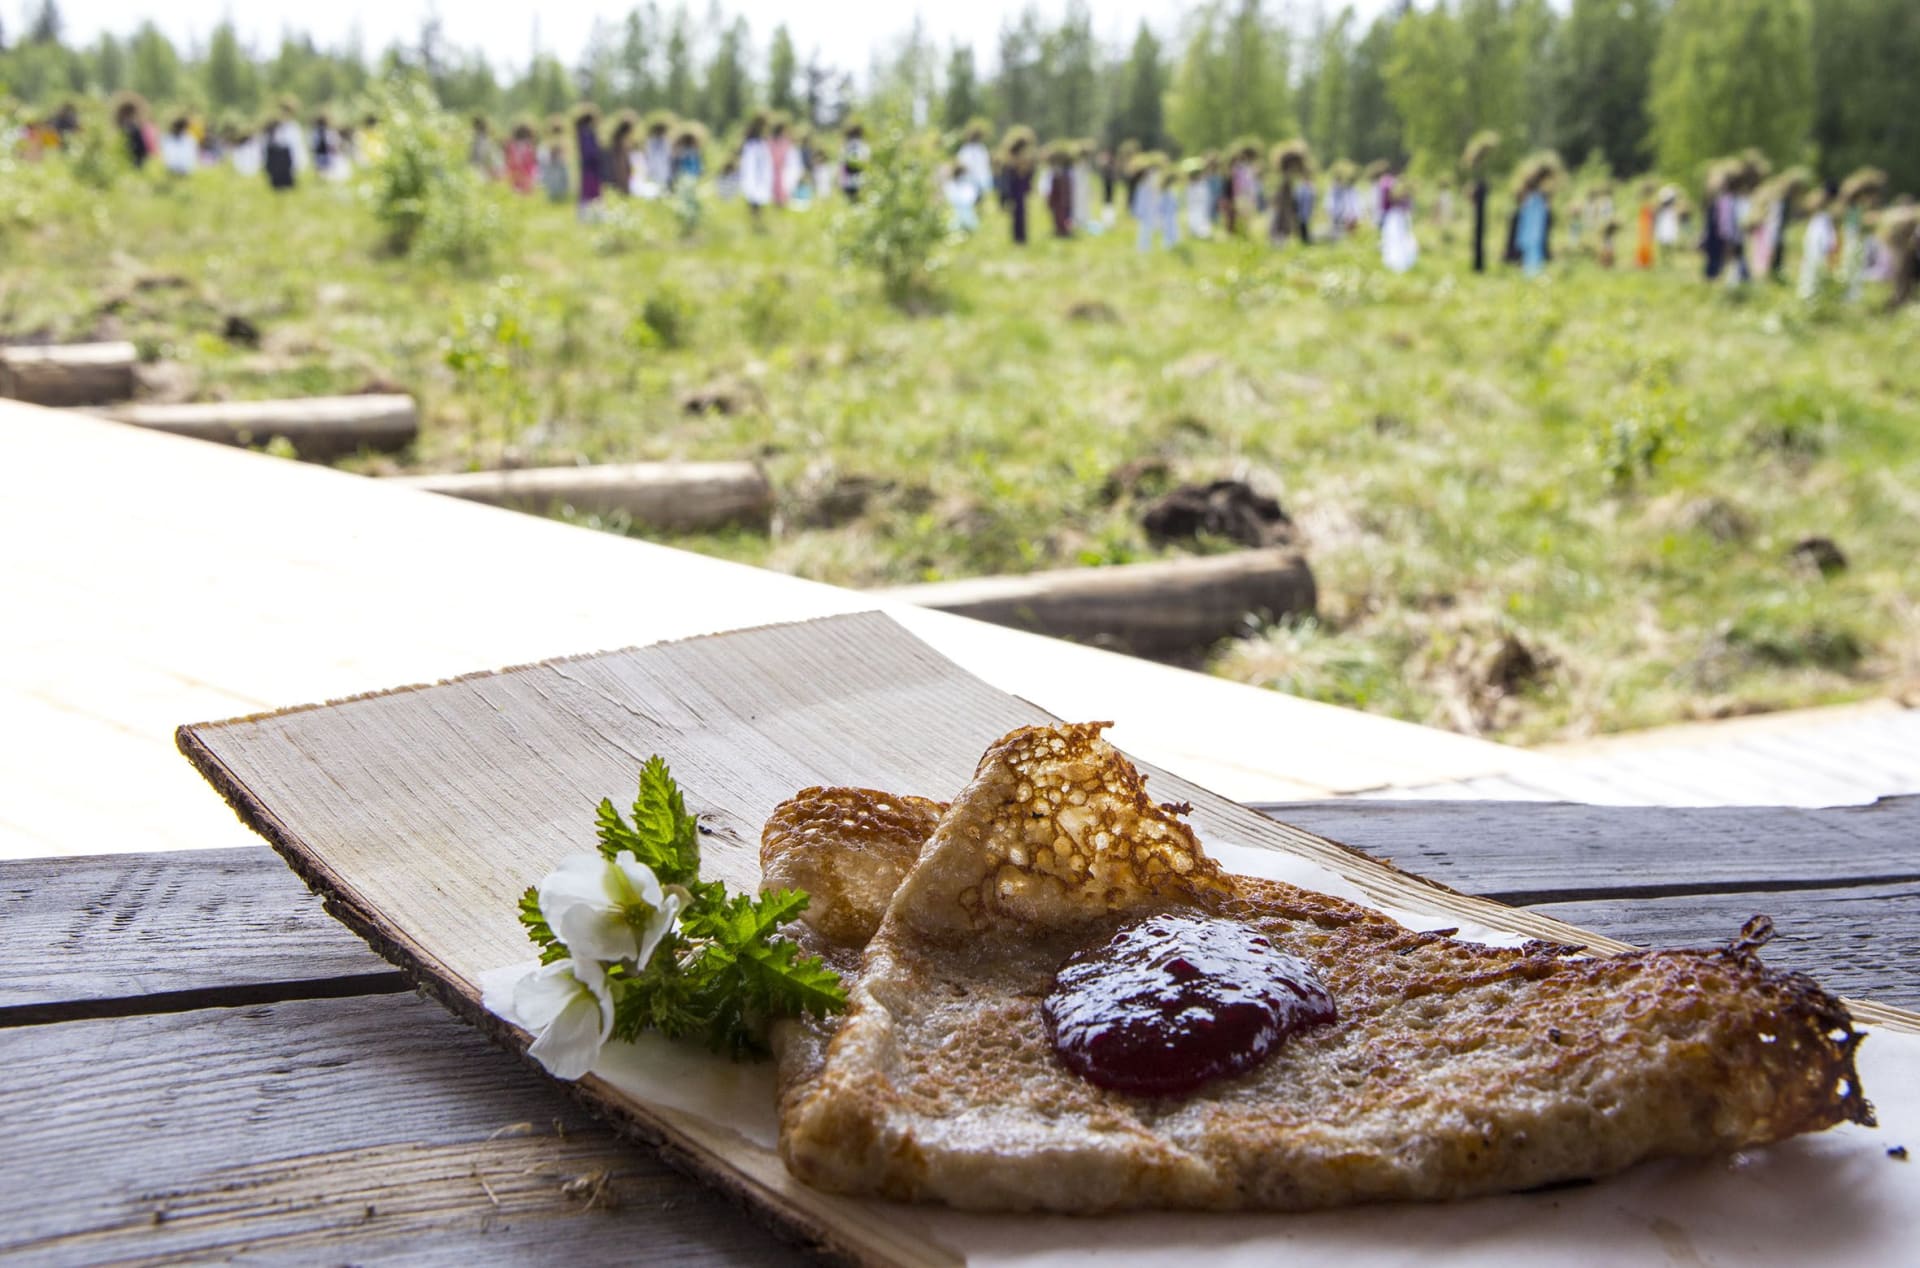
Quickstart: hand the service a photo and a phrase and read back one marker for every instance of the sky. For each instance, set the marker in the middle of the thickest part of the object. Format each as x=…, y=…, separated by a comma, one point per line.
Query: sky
x=847, y=32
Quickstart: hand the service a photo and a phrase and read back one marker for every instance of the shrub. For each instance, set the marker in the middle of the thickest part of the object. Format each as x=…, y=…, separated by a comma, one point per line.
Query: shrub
x=900, y=227
x=1798, y=631
x=428, y=202
x=665, y=320
x=96, y=153
x=766, y=310
x=1640, y=434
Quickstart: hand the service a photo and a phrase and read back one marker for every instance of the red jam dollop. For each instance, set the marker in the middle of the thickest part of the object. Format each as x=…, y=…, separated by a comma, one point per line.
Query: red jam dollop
x=1173, y=1002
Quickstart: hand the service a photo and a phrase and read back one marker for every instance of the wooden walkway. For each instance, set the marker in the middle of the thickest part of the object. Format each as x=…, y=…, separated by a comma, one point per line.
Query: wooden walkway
x=192, y=581
x=1848, y=755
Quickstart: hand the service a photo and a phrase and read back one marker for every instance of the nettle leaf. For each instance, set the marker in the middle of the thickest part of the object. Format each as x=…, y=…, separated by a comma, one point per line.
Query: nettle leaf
x=660, y=818
x=538, y=931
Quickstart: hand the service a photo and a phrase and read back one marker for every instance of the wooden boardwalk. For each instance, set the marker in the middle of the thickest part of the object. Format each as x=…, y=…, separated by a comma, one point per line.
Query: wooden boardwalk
x=194, y=581
x=1849, y=755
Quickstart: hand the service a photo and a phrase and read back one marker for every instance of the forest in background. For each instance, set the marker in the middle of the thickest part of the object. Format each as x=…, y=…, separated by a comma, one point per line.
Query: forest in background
x=1635, y=84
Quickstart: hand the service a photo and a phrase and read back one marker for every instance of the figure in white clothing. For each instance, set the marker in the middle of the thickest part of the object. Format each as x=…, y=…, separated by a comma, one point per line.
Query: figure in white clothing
x=1083, y=218
x=963, y=198
x=1399, y=249
x=975, y=160
x=1666, y=219
x=756, y=167
x=1156, y=203
x=1199, y=203
x=244, y=154
x=179, y=151
x=657, y=157
x=1817, y=245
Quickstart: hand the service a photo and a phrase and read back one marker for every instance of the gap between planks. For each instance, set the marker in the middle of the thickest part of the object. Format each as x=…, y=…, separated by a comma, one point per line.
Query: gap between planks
x=242, y=996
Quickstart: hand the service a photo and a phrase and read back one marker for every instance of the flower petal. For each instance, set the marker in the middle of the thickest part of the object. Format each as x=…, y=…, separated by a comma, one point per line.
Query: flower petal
x=595, y=933
x=641, y=884
x=543, y=994
x=667, y=910
x=571, y=1042
x=580, y=878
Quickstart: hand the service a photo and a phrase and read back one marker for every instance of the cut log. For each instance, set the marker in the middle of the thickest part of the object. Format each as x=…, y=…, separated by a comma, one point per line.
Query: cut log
x=1156, y=609
x=319, y=428
x=68, y=374
x=669, y=496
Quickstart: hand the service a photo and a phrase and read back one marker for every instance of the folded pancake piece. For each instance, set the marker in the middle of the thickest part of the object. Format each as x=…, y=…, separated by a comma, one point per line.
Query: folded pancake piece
x=1452, y=1069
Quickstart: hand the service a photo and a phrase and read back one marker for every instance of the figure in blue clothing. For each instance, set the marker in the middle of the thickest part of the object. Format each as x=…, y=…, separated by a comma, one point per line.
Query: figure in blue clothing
x=1531, y=233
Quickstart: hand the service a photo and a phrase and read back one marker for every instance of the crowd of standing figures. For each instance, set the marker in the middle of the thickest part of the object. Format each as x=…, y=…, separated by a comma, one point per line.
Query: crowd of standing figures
x=1744, y=224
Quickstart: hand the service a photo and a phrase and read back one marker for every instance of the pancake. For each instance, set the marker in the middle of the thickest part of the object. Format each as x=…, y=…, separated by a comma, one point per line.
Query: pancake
x=1449, y=1069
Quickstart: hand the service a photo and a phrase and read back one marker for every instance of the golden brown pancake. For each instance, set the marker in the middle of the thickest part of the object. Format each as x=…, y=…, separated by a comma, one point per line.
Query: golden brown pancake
x=1452, y=1069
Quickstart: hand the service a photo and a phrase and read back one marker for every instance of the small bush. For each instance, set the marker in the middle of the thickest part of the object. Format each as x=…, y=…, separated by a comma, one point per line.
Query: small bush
x=428, y=202
x=1641, y=435
x=766, y=310
x=900, y=227
x=1782, y=630
x=1797, y=425
x=665, y=321
x=97, y=154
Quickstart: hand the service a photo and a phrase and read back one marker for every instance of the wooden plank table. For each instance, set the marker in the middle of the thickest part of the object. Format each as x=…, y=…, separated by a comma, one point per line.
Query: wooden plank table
x=201, y=1064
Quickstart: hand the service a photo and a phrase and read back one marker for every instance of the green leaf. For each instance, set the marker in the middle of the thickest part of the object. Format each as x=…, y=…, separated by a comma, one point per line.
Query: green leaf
x=660, y=819
x=538, y=931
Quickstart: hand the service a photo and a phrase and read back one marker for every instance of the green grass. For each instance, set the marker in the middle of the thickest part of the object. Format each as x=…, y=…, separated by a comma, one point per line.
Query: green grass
x=1607, y=469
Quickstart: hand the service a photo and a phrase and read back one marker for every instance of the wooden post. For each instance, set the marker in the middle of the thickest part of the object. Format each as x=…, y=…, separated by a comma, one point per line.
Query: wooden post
x=1155, y=609
x=319, y=428
x=668, y=496
x=68, y=374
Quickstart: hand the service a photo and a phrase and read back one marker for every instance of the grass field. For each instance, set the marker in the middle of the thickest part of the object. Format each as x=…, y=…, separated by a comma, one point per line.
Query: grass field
x=1536, y=509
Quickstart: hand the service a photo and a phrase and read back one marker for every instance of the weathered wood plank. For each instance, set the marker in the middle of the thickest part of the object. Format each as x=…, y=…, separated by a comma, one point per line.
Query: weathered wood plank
x=319, y=428
x=1153, y=609
x=670, y=496
x=68, y=374
x=87, y=934
x=1860, y=941
x=343, y=1131
x=1529, y=853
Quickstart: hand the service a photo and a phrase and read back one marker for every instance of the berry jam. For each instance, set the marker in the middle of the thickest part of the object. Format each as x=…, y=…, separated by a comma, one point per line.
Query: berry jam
x=1175, y=1001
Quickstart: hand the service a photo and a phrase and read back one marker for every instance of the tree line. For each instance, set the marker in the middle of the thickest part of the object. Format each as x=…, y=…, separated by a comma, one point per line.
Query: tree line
x=1637, y=84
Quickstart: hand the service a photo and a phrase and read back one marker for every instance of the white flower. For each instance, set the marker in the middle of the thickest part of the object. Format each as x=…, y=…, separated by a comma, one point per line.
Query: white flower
x=608, y=910
x=567, y=1006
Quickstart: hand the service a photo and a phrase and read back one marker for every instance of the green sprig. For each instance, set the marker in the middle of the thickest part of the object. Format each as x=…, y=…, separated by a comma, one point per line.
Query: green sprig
x=725, y=974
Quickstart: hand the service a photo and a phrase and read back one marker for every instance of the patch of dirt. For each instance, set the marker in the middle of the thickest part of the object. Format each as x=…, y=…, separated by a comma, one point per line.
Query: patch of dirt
x=1097, y=311
x=825, y=497
x=1818, y=555
x=1485, y=673
x=1718, y=518
x=238, y=330
x=1223, y=508
x=721, y=396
